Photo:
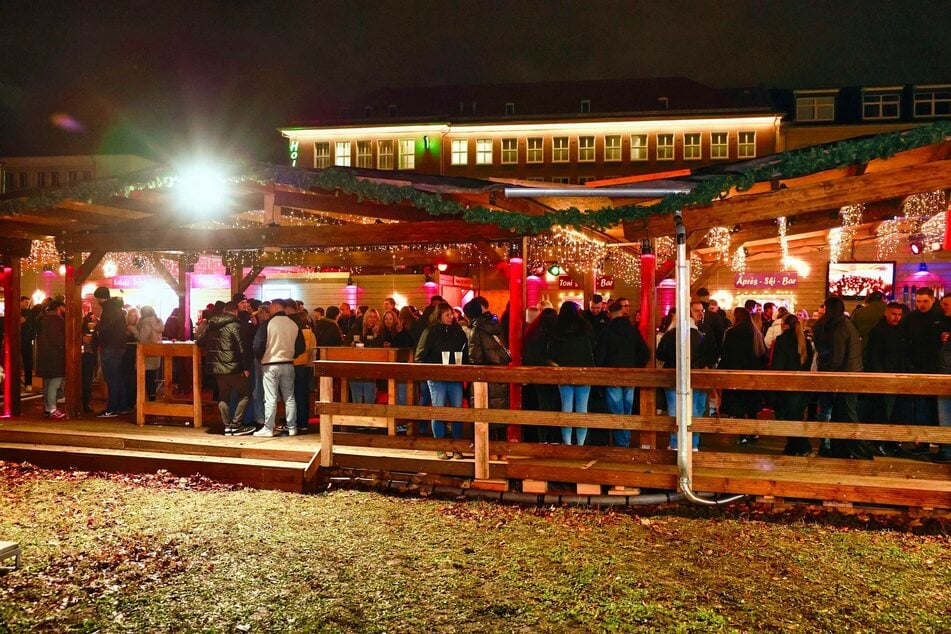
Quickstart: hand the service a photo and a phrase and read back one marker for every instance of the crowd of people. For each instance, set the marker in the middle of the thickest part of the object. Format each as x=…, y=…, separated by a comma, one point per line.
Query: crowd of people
x=258, y=354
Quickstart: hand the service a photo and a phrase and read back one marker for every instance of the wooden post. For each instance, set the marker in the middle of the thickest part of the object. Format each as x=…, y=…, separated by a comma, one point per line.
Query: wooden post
x=11, y=294
x=74, y=338
x=326, y=422
x=140, y=395
x=196, y=384
x=480, y=400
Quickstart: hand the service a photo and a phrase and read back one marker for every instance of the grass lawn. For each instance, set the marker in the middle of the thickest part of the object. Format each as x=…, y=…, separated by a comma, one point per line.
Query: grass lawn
x=158, y=553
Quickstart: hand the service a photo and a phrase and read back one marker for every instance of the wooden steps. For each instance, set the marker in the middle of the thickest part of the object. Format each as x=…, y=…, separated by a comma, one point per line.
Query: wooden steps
x=265, y=463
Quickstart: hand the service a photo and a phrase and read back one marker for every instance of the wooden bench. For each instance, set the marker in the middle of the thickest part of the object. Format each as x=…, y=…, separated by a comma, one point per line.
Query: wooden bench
x=9, y=550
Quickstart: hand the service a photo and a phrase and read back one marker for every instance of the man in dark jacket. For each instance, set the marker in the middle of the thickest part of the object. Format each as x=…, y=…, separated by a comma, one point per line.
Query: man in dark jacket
x=596, y=315
x=111, y=335
x=485, y=348
x=925, y=324
x=51, y=356
x=230, y=361
x=327, y=331
x=886, y=350
x=620, y=345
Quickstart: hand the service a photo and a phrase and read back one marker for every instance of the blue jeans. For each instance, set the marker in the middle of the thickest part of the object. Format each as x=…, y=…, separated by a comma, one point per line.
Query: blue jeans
x=362, y=391
x=446, y=393
x=50, y=389
x=278, y=382
x=699, y=409
x=620, y=400
x=944, y=420
x=115, y=381
x=574, y=398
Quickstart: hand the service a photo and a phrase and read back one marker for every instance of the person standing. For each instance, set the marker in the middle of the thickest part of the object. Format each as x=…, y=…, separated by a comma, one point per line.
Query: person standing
x=925, y=325
x=572, y=345
x=89, y=358
x=444, y=342
x=792, y=353
x=230, y=363
x=304, y=371
x=485, y=348
x=839, y=347
x=596, y=315
x=620, y=346
x=111, y=336
x=944, y=367
x=29, y=321
x=51, y=356
x=149, y=330
x=277, y=343
x=885, y=349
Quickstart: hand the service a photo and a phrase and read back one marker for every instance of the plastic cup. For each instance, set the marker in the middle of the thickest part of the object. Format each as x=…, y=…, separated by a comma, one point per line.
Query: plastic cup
x=445, y=357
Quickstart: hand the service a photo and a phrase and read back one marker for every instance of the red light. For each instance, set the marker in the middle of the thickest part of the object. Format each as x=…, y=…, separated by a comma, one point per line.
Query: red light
x=442, y=266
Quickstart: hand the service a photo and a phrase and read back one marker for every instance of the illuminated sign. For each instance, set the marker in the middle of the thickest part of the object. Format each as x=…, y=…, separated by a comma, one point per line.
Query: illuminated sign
x=766, y=280
x=294, y=144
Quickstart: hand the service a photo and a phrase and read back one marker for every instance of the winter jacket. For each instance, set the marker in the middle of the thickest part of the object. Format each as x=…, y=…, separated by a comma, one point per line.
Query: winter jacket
x=924, y=339
x=886, y=348
x=785, y=355
x=867, y=317
x=310, y=348
x=838, y=345
x=278, y=341
x=702, y=350
x=327, y=332
x=485, y=348
x=225, y=352
x=573, y=347
x=112, y=331
x=149, y=330
x=440, y=338
x=739, y=349
x=621, y=345
x=51, y=346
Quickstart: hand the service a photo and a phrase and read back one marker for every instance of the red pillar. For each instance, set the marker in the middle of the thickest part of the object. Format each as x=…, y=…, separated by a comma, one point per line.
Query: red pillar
x=648, y=281
x=947, y=228
x=516, y=323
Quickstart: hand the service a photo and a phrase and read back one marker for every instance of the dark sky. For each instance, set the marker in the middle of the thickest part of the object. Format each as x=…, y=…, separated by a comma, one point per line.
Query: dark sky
x=170, y=76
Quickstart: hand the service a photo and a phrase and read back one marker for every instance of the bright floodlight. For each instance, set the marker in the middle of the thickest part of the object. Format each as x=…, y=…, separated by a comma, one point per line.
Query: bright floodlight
x=200, y=188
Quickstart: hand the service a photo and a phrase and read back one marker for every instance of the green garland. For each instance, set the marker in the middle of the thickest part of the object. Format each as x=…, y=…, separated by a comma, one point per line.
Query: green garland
x=786, y=165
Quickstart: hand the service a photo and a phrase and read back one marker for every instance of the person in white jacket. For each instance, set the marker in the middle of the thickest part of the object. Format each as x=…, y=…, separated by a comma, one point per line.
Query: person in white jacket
x=776, y=328
x=277, y=343
x=149, y=330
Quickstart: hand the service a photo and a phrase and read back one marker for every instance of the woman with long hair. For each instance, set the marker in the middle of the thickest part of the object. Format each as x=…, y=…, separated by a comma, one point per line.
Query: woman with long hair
x=445, y=342
x=572, y=345
x=364, y=390
x=743, y=349
x=542, y=397
x=839, y=349
x=792, y=353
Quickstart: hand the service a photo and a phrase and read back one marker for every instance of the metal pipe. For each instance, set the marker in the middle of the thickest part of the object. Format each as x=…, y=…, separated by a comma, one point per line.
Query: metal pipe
x=684, y=393
x=594, y=192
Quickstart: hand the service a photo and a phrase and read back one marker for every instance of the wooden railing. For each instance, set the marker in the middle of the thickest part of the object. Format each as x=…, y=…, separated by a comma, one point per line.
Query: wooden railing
x=482, y=416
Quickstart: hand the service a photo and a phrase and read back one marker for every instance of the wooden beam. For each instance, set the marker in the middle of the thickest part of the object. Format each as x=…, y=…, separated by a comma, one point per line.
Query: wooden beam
x=16, y=247
x=177, y=239
x=348, y=204
x=793, y=201
x=383, y=259
x=248, y=279
x=163, y=272
x=97, y=214
x=84, y=269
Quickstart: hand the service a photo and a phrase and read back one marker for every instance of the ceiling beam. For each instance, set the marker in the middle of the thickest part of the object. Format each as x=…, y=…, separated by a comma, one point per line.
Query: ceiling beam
x=177, y=239
x=348, y=204
x=16, y=247
x=794, y=201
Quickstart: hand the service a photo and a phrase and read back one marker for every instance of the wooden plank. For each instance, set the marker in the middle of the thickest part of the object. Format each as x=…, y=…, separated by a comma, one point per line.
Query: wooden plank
x=860, y=431
x=481, y=433
x=362, y=421
x=534, y=486
x=326, y=394
x=174, y=239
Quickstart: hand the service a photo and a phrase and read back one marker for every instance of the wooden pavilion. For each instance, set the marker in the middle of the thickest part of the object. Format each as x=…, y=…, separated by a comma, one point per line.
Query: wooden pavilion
x=406, y=209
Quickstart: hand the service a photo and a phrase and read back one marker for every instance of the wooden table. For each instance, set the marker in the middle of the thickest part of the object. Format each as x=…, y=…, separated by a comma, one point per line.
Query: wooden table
x=166, y=406
x=376, y=355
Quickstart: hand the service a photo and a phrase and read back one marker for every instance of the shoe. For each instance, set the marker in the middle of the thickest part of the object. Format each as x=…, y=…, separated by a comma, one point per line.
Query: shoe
x=229, y=430
x=242, y=430
x=58, y=414
x=457, y=455
x=919, y=449
x=747, y=439
x=264, y=432
x=292, y=431
x=887, y=450
x=442, y=455
x=106, y=414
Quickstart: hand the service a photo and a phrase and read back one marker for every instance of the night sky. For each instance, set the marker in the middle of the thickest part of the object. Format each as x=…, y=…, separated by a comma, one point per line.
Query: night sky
x=170, y=77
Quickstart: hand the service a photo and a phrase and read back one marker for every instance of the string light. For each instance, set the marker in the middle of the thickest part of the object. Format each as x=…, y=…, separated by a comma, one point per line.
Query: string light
x=836, y=239
x=738, y=264
x=924, y=205
x=567, y=247
x=783, y=240
x=719, y=239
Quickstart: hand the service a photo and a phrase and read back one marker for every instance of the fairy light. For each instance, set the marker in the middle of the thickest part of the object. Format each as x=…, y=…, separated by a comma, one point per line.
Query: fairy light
x=738, y=264
x=933, y=231
x=43, y=254
x=924, y=205
x=566, y=246
x=783, y=240
x=109, y=268
x=835, y=240
x=696, y=267
x=719, y=239
x=889, y=238
x=626, y=266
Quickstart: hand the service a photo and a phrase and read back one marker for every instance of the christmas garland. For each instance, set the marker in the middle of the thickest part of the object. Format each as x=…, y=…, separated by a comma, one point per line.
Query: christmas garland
x=786, y=165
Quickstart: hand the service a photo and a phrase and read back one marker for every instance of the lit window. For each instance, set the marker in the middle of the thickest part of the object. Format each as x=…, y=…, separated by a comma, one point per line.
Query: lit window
x=536, y=152
x=342, y=156
x=460, y=152
x=818, y=108
x=559, y=149
x=880, y=105
x=483, y=151
x=746, y=145
x=510, y=108
x=665, y=147
x=585, y=105
x=585, y=149
x=638, y=147
x=509, y=151
x=612, y=147
x=407, y=154
x=321, y=155
x=364, y=154
x=384, y=155
x=719, y=145
x=933, y=103
x=564, y=180
x=692, y=146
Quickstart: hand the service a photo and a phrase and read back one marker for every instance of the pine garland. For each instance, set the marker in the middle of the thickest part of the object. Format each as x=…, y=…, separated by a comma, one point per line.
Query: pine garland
x=786, y=165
